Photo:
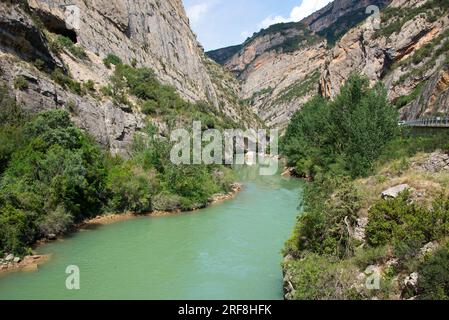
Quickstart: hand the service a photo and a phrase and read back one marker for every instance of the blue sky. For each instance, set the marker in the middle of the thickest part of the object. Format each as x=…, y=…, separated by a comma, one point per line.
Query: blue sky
x=221, y=23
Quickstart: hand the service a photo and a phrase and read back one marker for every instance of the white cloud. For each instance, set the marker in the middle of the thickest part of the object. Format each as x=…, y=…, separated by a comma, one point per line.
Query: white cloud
x=196, y=12
x=306, y=8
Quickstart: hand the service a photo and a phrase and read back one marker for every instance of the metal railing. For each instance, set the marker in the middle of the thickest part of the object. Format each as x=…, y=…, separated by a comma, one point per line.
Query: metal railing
x=437, y=122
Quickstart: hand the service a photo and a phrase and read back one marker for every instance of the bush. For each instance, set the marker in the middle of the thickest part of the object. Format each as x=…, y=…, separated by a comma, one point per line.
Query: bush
x=54, y=176
x=111, y=59
x=66, y=82
x=56, y=222
x=20, y=83
x=433, y=283
x=129, y=192
x=318, y=277
x=166, y=202
x=65, y=43
x=407, y=225
x=323, y=228
x=342, y=137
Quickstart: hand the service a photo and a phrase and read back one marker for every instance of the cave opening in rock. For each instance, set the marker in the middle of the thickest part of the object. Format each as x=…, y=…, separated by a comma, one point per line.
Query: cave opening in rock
x=58, y=26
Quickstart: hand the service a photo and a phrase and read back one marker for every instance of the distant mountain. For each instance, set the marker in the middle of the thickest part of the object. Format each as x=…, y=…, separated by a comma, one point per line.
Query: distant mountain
x=282, y=67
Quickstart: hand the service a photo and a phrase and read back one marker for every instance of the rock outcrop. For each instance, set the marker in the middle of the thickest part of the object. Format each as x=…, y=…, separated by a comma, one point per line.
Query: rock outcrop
x=407, y=55
x=150, y=33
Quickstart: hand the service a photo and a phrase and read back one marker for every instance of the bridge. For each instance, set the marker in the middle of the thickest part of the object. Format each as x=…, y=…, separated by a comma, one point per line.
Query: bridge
x=436, y=122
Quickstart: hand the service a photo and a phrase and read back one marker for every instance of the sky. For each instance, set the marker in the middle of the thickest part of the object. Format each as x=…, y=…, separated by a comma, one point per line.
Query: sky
x=222, y=23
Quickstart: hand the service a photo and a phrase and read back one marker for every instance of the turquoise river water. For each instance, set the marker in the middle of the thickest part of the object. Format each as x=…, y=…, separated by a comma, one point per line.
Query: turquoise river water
x=230, y=250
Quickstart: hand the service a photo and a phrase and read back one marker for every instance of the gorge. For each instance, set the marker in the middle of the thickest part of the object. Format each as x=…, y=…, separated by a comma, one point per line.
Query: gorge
x=87, y=108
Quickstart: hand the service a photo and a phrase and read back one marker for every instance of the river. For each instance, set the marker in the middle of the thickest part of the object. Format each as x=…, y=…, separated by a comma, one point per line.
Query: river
x=230, y=250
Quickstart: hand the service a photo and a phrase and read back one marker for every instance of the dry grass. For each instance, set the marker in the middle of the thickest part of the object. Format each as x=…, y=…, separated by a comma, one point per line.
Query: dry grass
x=426, y=186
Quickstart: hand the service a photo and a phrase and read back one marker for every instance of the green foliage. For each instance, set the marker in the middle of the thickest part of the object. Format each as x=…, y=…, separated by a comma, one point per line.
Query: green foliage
x=67, y=82
x=433, y=283
x=89, y=86
x=324, y=227
x=317, y=277
x=292, y=42
x=394, y=17
x=39, y=64
x=160, y=100
x=298, y=89
x=405, y=100
x=407, y=225
x=65, y=43
x=111, y=59
x=345, y=136
x=53, y=177
x=20, y=83
x=129, y=191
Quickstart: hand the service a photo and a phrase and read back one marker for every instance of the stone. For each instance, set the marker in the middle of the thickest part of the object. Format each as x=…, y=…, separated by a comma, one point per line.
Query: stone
x=359, y=230
x=412, y=280
x=429, y=248
x=17, y=260
x=51, y=236
x=9, y=257
x=288, y=258
x=395, y=191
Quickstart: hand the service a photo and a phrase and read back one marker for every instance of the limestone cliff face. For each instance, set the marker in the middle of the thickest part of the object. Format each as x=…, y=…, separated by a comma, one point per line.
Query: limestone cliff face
x=330, y=14
x=279, y=67
x=407, y=55
x=150, y=33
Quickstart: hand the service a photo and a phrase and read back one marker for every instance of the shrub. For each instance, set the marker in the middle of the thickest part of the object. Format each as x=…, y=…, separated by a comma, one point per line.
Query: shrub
x=433, y=282
x=111, y=59
x=407, y=225
x=318, y=277
x=65, y=43
x=166, y=202
x=16, y=229
x=324, y=227
x=20, y=83
x=129, y=192
x=345, y=136
x=89, y=86
x=66, y=82
x=56, y=222
x=39, y=64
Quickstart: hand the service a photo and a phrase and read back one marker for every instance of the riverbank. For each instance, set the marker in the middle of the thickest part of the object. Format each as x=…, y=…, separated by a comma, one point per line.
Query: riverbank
x=11, y=263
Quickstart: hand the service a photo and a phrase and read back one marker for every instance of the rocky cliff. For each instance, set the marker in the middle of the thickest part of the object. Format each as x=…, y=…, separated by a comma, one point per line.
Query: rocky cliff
x=408, y=53
x=150, y=33
x=281, y=67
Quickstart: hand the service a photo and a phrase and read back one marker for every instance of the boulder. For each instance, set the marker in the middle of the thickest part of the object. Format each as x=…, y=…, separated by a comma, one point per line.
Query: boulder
x=17, y=260
x=9, y=257
x=428, y=249
x=412, y=280
x=51, y=236
x=394, y=192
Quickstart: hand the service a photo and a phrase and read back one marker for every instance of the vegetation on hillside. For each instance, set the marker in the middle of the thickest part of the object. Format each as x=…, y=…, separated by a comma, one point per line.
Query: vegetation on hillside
x=158, y=100
x=328, y=260
x=53, y=175
x=344, y=136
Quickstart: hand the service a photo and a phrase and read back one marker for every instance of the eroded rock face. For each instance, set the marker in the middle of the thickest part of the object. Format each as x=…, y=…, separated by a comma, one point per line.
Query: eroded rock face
x=383, y=58
x=150, y=33
x=330, y=14
x=106, y=122
x=19, y=36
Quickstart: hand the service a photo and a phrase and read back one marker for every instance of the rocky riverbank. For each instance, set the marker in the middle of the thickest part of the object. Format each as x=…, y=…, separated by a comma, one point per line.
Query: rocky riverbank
x=15, y=263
